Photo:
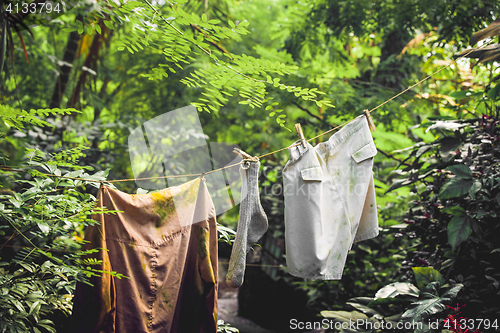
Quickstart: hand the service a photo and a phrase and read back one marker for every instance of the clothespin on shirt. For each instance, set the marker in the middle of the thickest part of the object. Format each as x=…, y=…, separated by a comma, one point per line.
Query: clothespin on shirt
x=371, y=124
x=298, y=128
x=244, y=155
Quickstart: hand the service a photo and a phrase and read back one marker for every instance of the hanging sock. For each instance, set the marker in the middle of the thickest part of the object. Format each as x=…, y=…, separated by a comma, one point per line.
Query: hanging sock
x=252, y=223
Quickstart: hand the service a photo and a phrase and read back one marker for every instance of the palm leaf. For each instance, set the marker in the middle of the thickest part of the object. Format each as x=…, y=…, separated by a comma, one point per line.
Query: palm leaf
x=431, y=303
x=492, y=30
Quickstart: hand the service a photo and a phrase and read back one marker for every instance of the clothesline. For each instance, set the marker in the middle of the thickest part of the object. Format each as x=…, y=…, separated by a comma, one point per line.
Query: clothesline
x=263, y=155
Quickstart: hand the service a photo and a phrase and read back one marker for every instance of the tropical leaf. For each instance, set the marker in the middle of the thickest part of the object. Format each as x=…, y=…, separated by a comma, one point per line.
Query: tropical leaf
x=477, y=52
x=363, y=308
x=445, y=125
x=396, y=289
x=389, y=300
x=344, y=316
x=454, y=210
x=476, y=186
x=494, y=92
x=399, y=183
x=461, y=171
x=361, y=300
x=459, y=230
x=455, y=187
x=461, y=94
x=492, y=30
x=448, y=145
x=431, y=302
x=490, y=55
x=426, y=275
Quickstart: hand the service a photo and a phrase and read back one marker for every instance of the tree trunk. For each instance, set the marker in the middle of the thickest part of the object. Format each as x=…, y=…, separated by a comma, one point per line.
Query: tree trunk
x=65, y=69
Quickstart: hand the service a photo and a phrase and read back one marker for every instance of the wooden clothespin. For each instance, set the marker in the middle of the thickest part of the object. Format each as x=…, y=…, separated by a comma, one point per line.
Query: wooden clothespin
x=298, y=128
x=371, y=124
x=244, y=155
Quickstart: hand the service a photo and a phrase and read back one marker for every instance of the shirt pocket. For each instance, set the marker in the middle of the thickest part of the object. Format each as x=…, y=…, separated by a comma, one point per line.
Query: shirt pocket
x=312, y=174
x=367, y=151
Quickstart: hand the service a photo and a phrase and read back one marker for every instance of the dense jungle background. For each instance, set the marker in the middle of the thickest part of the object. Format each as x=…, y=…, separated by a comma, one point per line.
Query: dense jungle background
x=74, y=85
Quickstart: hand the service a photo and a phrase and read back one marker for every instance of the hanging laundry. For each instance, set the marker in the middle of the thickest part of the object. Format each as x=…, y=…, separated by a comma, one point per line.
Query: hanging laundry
x=329, y=201
x=252, y=223
x=171, y=265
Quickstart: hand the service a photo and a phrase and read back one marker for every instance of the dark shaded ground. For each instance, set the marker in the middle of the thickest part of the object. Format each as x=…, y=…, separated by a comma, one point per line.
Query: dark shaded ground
x=228, y=306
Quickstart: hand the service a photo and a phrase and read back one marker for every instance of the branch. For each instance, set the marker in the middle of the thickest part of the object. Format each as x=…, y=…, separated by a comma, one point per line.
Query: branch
x=306, y=110
x=213, y=42
x=393, y=157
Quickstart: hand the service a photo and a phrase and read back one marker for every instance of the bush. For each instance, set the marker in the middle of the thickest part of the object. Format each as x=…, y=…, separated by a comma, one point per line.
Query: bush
x=454, y=223
x=457, y=180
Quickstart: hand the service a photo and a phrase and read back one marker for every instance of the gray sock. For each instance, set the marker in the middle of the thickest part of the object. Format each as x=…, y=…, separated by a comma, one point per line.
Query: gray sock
x=252, y=224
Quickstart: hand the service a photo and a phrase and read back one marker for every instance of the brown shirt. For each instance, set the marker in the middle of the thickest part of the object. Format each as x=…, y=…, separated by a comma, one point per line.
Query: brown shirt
x=166, y=243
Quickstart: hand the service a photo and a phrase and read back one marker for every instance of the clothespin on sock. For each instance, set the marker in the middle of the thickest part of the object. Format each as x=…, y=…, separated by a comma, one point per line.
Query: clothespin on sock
x=298, y=128
x=371, y=124
x=244, y=155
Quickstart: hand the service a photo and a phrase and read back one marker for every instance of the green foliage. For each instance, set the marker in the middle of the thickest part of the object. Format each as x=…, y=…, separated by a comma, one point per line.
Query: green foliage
x=430, y=302
x=460, y=185
x=426, y=275
x=131, y=57
x=453, y=176
x=457, y=180
x=42, y=220
x=401, y=302
x=370, y=264
x=459, y=230
x=17, y=118
x=395, y=289
x=225, y=234
x=31, y=293
x=180, y=36
x=42, y=217
x=225, y=327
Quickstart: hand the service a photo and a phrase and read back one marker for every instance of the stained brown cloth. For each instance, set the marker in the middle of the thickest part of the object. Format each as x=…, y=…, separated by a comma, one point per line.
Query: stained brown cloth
x=172, y=267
